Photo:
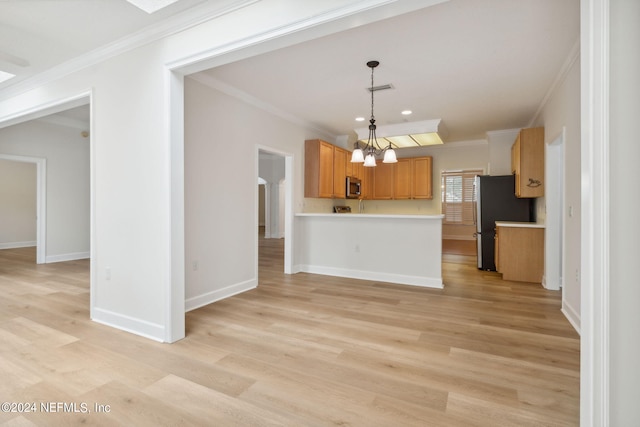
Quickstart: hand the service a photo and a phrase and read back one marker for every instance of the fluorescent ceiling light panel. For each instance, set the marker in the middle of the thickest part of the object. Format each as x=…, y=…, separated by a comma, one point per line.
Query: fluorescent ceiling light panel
x=4, y=76
x=151, y=6
x=409, y=134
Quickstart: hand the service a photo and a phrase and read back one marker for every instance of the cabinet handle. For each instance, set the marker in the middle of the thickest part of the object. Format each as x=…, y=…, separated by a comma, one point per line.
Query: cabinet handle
x=534, y=183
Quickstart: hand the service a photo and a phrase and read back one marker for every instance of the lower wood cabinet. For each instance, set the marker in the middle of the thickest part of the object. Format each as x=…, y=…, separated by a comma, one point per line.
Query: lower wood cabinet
x=520, y=252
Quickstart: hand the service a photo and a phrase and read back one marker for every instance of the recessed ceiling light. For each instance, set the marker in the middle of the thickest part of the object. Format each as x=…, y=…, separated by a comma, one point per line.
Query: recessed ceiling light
x=406, y=112
x=359, y=119
x=4, y=76
x=151, y=6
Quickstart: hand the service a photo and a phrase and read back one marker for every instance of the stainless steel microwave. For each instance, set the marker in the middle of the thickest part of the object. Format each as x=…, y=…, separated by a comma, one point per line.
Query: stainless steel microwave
x=353, y=187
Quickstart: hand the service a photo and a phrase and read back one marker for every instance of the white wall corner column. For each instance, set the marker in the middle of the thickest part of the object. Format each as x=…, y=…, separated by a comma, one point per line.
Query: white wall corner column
x=594, y=342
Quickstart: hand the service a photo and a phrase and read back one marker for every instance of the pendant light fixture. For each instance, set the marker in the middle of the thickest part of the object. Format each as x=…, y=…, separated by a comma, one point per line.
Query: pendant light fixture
x=368, y=153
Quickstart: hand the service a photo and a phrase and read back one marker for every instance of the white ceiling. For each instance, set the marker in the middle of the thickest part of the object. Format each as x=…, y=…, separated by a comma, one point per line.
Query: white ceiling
x=477, y=65
x=37, y=35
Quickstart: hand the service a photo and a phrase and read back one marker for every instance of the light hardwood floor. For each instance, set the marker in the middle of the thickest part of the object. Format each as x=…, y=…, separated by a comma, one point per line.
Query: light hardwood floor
x=301, y=350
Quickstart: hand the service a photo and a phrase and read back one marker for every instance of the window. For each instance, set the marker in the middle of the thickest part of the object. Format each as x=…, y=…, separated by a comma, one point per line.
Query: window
x=458, y=197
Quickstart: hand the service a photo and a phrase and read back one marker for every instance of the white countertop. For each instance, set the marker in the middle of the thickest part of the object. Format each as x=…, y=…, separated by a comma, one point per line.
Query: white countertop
x=519, y=224
x=357, y=215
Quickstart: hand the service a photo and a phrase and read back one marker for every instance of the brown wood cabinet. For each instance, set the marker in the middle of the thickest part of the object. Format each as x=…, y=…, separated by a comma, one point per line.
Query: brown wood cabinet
x=413, y=178
x=519, y=253
x=340, y=159
x=383, y=181
x=527, y=162
x=422, y=184
x=321, y=174
x=403, y=179
x=326, y=168
x=410, y=178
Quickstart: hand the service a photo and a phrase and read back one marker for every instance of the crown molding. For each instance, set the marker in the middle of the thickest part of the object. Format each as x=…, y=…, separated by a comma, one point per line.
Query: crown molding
x=234, y=92
x=573, y=56
x=502, y=132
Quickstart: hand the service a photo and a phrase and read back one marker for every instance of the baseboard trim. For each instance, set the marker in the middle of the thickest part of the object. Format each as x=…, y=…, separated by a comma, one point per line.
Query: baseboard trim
x=16, y=245
x=219, y=294
x=129, y=324
x=67, y=257
x=572, y=316
x=425, y=282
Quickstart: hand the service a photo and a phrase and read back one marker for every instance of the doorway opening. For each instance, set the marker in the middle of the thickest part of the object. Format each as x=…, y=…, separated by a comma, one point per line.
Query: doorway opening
x=273, y=217
x=27, y=208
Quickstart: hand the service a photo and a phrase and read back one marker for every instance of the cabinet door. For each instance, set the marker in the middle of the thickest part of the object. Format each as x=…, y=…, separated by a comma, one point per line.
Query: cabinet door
x=339, y=172
x=326, y=170
x=383, y=181
x=366, y=185
x=531, y=182
x=357, y=169
x=422, y=178
x=403, y=179
x=527, y=162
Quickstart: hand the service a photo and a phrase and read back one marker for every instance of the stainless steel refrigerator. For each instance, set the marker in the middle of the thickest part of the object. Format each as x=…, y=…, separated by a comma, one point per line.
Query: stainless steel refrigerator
x=496, y=201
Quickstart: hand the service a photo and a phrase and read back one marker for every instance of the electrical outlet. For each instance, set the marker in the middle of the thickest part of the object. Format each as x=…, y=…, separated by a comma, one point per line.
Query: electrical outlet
x=107, y=273
x=357, y=248
x=194, y=265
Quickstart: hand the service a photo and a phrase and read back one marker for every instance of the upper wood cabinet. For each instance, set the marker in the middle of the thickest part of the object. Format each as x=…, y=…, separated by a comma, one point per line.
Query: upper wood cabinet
x=318, y=169
x=340, y=156
x=527, y=162
x=423, y=178
x=402, y=179
x=326, y=168
x=413, y=178
x=410, y=178
x=383, y=181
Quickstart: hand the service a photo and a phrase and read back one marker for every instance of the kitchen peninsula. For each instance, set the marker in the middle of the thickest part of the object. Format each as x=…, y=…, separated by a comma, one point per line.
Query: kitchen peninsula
x=403, y=249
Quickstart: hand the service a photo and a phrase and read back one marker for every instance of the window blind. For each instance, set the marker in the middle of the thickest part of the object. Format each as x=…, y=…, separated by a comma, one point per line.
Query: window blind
x=458, y=196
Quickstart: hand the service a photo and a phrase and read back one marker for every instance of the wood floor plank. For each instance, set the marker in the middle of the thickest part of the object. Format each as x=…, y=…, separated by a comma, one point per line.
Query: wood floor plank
x=298, y=350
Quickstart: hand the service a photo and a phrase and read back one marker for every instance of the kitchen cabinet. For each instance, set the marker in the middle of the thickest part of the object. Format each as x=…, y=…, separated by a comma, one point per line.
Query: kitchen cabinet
x=410, y=178
x=340, y=156
x=422, y=181
x=326, y=168
x=320, y=174
x=403, y=179
x=519, y=251
x=383, y=181
x=527, y=162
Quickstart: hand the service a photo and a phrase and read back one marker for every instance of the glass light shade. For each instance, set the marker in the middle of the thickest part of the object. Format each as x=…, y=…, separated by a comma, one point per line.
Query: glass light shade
x=370, y=160
x=357, y=156
x=390, y=156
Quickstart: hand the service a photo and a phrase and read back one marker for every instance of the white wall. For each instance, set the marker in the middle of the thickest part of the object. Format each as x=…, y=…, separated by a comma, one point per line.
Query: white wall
x=563, y=110
x=624, y=207
x=220, y=193
x=17, y=204
x=67, y=187
x=500, y=143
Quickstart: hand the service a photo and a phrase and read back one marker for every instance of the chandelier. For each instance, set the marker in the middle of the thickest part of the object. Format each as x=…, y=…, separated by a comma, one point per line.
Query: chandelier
x=368, y=153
